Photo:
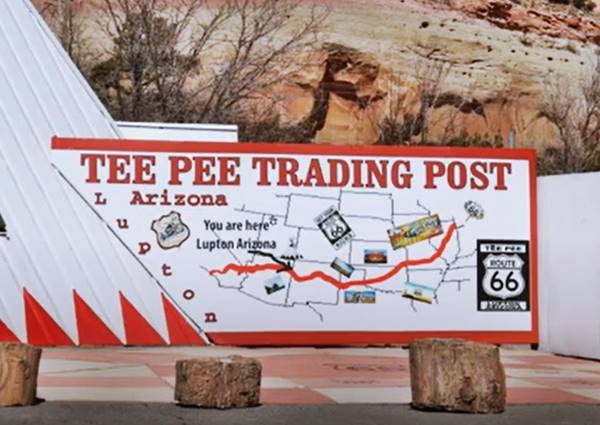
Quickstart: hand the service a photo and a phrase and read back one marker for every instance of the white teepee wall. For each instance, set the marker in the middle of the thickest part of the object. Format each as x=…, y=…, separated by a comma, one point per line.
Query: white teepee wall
x=57, y=244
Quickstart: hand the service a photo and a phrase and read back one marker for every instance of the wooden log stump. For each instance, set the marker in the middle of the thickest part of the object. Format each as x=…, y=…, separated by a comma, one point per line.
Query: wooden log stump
x=220, y=383
x=456, y=376
x=18, y=374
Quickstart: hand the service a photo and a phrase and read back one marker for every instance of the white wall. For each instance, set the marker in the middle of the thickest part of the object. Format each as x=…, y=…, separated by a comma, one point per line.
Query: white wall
x=58, y=246
x=569, y=264
x=179, y=132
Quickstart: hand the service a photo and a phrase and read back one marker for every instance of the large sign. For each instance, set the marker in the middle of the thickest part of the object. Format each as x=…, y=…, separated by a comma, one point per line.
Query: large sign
x=307, y=244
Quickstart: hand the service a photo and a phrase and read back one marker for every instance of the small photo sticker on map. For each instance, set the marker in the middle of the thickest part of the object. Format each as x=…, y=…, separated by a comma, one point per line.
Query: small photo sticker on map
x=416, y=231
x=334, y=227
x=359, y=297
x=342, y=267
x=417, y=292
x=170, y=230
x=376, y=256
x=274, y=284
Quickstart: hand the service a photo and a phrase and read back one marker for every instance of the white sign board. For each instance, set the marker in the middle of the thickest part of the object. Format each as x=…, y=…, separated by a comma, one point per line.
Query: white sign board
x=305, y=244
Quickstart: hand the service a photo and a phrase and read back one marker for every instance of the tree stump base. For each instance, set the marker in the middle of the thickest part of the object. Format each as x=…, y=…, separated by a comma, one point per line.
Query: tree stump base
x=457, y=376
x=19, y=365
x=220, y=383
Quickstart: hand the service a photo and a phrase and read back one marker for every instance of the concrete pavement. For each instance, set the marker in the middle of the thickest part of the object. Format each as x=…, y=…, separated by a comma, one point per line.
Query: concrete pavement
x=307, y=376
x=168, y=414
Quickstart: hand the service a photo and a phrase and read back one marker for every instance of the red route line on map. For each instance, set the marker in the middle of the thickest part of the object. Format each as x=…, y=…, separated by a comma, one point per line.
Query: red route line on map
x=256, y=268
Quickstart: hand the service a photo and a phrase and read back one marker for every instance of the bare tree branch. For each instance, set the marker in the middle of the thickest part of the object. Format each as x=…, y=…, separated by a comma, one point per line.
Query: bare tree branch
x=266, y=38
x=573, y=107
x=400, y=125
x=186, y=60
x=64, y=19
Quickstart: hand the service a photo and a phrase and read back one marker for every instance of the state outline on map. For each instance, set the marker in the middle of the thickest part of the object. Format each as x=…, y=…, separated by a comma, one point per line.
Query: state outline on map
x=393, y=213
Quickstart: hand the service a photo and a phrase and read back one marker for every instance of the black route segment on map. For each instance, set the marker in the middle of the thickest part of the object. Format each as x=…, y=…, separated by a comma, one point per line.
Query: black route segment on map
x=286, y=266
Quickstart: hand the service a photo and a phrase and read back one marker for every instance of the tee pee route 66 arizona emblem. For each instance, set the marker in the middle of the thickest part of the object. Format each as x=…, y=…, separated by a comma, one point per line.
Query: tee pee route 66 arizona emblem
x=503, y=275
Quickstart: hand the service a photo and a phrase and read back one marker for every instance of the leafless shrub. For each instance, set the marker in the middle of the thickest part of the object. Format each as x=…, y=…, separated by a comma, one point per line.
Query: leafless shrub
x=263, y=122
x=63, y=17
x=184, y=60
x=574, y=110
x=400, y=126
x=154, y=50
x=271, y=129
x=264, y=47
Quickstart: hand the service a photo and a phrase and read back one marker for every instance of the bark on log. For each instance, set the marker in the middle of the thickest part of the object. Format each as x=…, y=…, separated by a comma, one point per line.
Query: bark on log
x=18, y=374
x=220, y=383
x=456, y=375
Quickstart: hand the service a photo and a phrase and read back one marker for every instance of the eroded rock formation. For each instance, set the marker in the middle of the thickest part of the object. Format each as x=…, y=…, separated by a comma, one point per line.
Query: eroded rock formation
x=538, y=19
x=501, y=59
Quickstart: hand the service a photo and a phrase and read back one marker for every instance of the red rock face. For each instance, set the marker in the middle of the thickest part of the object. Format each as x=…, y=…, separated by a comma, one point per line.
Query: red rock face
x=507, y=15
x=502, y=57
x=345, y=98
x=496, y=83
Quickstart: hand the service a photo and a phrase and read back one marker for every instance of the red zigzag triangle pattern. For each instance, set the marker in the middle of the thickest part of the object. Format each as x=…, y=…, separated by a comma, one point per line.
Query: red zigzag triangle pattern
x=6, y=335
x=42, y=329
x=90, y=328
x=137, y=330
x=180, y=331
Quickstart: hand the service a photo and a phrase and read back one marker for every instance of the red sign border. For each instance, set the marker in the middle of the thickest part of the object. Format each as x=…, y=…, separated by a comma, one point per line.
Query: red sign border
x=290, y=338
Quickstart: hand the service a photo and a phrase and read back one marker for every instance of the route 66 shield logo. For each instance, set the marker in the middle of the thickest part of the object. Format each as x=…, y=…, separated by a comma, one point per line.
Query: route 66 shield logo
x=170, y=230
x=503, y=277
x=334, y=227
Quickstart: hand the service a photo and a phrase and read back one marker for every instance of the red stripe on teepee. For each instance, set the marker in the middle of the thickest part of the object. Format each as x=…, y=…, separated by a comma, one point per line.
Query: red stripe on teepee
x=90, y=328
x=137, y=330
x=41, y=327
x=6, y=334
x=180, y=331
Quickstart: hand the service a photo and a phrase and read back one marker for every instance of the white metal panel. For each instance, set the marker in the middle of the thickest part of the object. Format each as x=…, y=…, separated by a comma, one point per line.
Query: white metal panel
x=179, y=132
x=63, y=245
x=569, y=270
x=11, y=300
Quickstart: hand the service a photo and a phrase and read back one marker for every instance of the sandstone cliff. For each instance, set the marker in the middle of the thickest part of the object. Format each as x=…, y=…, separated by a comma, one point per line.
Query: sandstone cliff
x=500, y=59
x=493, y=61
